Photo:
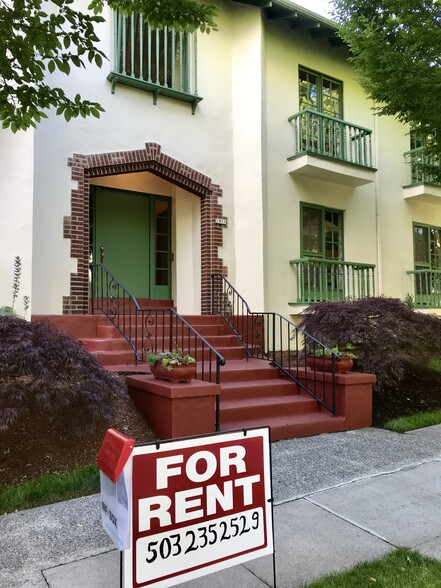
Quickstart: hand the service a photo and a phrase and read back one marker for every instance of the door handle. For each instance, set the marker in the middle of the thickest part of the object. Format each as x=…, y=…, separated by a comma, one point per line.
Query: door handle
x=102, y=253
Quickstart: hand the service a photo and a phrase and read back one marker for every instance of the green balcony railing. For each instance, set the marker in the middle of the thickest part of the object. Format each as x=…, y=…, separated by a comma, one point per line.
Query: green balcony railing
x=427, y=288
x=421, y=162
x=327, y=280
x=161, y=61
x=320, y=134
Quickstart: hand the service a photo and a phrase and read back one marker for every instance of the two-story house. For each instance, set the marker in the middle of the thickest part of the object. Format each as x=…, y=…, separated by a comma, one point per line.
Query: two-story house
x=251, y=151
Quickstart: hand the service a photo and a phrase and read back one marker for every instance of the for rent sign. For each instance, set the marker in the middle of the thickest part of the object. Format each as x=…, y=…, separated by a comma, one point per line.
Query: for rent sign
x=199, y=505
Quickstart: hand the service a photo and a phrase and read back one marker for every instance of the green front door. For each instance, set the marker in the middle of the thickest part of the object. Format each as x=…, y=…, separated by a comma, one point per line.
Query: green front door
x=131, y=237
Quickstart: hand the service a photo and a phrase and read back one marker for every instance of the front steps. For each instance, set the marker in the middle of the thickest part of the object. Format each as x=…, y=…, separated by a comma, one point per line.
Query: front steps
x=253, y=393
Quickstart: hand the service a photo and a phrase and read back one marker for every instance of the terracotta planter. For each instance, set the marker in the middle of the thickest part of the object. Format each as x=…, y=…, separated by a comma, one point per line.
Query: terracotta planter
x=180, y=373
x=342, y=366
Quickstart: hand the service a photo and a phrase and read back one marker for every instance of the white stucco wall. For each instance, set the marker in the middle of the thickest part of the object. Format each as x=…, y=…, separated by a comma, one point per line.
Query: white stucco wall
x=247, y=105
x=16, y=208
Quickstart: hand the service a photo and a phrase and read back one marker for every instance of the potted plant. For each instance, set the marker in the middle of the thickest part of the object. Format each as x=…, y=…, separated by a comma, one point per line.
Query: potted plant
x=173, y=366
x=321, y=358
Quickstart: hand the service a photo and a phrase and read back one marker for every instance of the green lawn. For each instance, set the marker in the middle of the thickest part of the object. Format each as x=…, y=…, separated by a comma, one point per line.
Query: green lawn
x=402, y=568
x=415, y=421
x=50, y=488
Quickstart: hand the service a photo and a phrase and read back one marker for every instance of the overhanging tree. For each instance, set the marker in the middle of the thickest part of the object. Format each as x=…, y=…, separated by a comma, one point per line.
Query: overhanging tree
x=396, y=50
x=39, y=37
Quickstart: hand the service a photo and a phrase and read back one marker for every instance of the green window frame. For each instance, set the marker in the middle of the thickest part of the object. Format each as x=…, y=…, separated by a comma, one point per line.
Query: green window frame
x=321, y=276
x=160, y=61
x=427, y=246
x=320, y=92
x=322, y=232
x=427, y=265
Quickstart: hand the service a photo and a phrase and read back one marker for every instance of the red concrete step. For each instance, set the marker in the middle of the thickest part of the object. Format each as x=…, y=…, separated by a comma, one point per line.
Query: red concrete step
x=244, y=409
x=289, y=426
x=106, y=344
x=246, y=370
x=107, y=358
x=258, y=388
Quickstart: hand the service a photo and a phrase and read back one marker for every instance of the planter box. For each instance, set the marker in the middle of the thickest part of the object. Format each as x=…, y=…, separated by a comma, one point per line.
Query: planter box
x=342, y=366
x=180, y=373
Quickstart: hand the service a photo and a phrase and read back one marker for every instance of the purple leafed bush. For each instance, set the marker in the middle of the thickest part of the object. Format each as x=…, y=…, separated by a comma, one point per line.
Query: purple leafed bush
x=43, y=369
x=386, y=334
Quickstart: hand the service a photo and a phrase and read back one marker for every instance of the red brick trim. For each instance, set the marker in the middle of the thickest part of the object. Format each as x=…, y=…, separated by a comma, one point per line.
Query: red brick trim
x=151, y=159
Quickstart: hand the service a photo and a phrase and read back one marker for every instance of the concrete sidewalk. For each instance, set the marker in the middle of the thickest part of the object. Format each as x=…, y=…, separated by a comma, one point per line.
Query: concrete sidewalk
x=340, y=499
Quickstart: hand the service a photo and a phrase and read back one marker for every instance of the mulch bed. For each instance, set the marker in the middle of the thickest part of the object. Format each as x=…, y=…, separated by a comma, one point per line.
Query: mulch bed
x=41, y=444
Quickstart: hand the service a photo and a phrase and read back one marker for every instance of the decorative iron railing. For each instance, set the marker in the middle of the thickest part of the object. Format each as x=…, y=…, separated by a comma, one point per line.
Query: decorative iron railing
x=152, y=330
x=319, y=134
x=329, y=280
x=422, y=165
x=270, y=336
x=427, y=288
x=161, y=61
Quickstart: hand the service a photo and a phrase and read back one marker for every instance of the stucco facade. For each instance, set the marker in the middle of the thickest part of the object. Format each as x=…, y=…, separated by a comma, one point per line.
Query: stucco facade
x=228, y=161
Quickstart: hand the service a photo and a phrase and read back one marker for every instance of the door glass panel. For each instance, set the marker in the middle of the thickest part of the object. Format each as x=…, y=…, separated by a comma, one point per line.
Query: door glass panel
x=162, y=254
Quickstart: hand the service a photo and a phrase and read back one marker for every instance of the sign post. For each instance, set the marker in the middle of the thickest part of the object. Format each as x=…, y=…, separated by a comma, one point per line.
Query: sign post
x=198, y=505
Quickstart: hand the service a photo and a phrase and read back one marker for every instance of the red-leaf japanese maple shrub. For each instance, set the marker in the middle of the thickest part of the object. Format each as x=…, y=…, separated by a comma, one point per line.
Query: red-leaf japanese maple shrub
x=43, y=369
x=390, y=341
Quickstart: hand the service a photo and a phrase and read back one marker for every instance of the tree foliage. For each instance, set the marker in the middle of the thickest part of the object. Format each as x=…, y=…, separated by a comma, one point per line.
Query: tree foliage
x=45, y=370
x=42, y=36
x=385, y=333
x=396, y=50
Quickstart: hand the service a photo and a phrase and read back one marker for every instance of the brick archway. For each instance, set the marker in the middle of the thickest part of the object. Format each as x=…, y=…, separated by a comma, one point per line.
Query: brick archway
x=151, y=159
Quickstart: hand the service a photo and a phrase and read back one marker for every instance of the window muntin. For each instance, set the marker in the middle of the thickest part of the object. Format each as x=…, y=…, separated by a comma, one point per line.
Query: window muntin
x=321, y=93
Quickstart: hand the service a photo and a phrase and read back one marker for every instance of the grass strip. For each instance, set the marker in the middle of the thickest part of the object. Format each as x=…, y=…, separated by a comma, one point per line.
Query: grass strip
x=402, y=568
x=50, y=488
x=415, y=421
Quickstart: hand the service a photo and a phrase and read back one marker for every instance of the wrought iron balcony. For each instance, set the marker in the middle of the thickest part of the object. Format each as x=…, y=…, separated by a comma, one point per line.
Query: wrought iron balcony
x=328, y=280
x=427, y=288
x=319, y=134
x=419, y=160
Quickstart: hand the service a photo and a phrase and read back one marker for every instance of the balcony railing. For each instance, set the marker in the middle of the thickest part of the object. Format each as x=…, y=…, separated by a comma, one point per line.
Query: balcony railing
x=161, y=61
x=319, y=134
x=420, y=162
x=427, y=288
x=327, y=280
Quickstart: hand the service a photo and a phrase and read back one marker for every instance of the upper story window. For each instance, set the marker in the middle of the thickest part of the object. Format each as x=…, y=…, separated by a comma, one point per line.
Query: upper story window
x=161, y=61
x=322, y=232
x=427, y=247
x=321, y=93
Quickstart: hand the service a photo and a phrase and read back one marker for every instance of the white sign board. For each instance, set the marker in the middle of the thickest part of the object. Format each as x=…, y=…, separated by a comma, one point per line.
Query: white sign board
x=199, y=505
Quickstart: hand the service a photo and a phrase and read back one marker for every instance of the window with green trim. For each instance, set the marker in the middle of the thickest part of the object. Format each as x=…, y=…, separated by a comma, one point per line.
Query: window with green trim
x=321, y=275
x=321, y=93
x=427, y=261
x=161, y=61
x=322, y=232
x=427, y=247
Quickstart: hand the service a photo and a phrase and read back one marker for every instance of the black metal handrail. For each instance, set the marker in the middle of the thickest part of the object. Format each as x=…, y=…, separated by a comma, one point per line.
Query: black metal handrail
x=270, y=336
x=152, y=330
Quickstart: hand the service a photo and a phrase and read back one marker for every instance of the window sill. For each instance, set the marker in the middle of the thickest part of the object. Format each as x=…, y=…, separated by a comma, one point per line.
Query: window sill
x=155, y=89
